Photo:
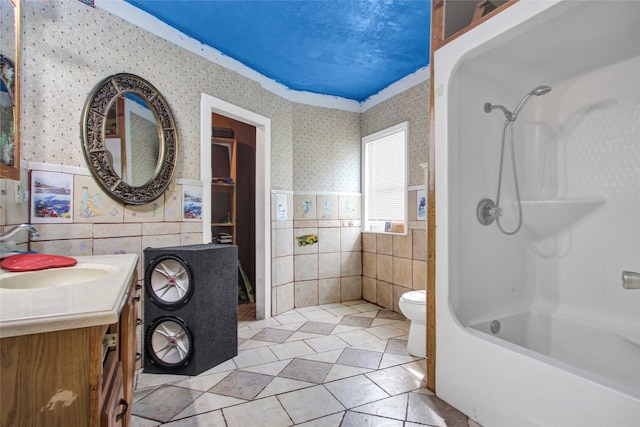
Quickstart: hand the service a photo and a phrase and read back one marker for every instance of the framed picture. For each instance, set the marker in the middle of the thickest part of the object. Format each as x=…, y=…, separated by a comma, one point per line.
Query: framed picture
x=9, y=120
x=51, y=197
x=421, y=204
x=191, y=203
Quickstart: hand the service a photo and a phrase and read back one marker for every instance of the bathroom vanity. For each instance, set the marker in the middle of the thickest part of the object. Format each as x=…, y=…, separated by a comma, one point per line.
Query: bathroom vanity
x=68, y=343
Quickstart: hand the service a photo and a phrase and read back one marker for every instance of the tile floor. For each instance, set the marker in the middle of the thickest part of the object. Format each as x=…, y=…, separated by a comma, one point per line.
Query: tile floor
x=341, y=364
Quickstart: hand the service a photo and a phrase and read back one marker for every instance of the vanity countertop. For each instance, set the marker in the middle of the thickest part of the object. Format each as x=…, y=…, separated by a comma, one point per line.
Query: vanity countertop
x=25, y=311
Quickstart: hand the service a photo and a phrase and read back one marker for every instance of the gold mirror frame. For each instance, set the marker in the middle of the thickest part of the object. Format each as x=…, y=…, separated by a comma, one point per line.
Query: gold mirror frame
x=12, y=171
x=94, y=122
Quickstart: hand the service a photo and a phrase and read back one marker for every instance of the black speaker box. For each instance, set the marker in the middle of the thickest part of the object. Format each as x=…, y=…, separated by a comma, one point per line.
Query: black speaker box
x=190, y=308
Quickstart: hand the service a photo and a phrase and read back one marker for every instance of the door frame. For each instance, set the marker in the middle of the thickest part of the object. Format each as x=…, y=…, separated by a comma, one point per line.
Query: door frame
x=210, y=104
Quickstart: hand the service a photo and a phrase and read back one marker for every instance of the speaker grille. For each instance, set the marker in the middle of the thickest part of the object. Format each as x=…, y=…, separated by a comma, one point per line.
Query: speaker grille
x=169, y=343
x=169, y=282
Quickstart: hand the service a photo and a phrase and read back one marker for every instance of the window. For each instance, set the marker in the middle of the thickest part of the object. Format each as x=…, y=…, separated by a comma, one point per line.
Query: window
x=384, y=180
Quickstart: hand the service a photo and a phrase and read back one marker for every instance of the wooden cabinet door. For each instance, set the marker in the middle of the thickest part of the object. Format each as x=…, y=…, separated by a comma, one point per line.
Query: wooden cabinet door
x=115, y=408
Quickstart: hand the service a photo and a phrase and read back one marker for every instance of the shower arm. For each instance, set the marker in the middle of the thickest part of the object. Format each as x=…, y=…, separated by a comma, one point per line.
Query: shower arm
x=489, y=107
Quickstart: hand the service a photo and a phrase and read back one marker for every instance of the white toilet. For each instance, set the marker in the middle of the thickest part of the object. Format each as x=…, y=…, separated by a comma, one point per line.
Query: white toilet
x=413, y=306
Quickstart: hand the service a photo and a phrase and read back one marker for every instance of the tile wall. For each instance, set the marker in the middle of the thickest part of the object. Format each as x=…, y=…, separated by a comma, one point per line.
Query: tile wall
x=324, y=272
x=103, y=226
x=345, y=264
x=394, y=264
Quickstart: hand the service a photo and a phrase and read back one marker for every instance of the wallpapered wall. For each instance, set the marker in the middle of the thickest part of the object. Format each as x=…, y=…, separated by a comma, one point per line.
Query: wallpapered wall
x=69, y=47
x=7, y=31
x=411, y=105
x=323, y=137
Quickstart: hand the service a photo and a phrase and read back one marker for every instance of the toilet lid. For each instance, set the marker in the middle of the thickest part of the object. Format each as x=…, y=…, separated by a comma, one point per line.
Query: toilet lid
x=415, y=297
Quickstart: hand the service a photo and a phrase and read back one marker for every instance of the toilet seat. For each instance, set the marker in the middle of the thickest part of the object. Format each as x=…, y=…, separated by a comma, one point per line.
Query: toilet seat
x=415, y=297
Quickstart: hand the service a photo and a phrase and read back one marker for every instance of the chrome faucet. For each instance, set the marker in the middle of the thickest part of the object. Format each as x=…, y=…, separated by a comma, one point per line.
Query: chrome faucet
x=28, y=227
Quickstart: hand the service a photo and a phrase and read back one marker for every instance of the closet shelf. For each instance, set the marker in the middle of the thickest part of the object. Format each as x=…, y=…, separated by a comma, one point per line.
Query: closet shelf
x=223, y=187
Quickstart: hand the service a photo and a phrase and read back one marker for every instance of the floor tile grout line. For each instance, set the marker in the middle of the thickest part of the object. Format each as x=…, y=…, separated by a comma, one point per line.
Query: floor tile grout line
x=346, y=409
x=323, y=384
x=312, y=419
x=338, y=399
x=246, y=369
x=330, y=319
x=316, y=352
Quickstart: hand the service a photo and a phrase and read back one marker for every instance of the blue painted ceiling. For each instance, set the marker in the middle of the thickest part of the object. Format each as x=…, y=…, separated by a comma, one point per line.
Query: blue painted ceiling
x=346, y=48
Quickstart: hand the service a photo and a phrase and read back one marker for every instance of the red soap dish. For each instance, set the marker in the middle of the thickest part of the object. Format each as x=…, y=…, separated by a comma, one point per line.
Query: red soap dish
x=33, y=262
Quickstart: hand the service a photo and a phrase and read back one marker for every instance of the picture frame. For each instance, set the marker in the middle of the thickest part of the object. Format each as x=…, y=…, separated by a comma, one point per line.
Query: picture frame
x=10, y=91
x=421, y=204
x=51, y=197
x=191, y=203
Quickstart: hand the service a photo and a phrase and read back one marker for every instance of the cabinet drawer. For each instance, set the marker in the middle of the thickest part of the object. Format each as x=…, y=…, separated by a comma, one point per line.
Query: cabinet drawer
x=115, y=406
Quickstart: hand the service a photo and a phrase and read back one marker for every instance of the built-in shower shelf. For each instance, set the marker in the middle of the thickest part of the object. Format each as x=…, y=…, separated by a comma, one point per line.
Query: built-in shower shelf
x=543, y=218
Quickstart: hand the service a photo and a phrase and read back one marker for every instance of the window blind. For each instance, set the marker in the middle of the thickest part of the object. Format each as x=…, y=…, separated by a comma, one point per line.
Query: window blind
x=385, y=175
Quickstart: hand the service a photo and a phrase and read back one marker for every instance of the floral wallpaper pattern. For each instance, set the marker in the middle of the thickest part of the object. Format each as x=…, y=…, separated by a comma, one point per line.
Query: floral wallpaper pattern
x=326, y=149
x=68, y=48
x=411, y=105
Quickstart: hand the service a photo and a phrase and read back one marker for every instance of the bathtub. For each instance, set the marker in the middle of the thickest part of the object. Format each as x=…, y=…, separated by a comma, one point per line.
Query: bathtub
x=567, y=352
x=580, y=348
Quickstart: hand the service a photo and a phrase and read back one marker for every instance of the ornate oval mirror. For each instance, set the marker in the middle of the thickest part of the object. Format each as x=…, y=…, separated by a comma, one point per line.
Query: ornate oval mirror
x=129, y=139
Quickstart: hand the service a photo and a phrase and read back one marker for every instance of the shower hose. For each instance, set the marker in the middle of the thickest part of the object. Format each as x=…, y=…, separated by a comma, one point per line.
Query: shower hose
x=508, y=125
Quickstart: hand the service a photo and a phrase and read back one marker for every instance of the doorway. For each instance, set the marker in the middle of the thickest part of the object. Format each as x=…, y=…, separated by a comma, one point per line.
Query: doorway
x=243, y=137
x=260, y=215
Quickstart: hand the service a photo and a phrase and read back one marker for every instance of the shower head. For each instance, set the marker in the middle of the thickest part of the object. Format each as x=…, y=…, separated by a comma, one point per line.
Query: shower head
x=539, y=91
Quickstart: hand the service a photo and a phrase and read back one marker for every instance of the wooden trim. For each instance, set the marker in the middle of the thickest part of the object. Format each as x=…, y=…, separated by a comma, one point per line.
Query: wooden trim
x=436, y=40
x=472, y=24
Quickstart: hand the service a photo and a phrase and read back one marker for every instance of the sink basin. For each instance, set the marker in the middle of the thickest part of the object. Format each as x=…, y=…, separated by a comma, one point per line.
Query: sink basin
x=90, y=293
x=55, y=277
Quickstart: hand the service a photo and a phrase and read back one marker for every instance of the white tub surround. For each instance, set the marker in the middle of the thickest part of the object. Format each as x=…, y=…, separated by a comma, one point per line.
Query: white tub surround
x=555, y=285
x=98, y=301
